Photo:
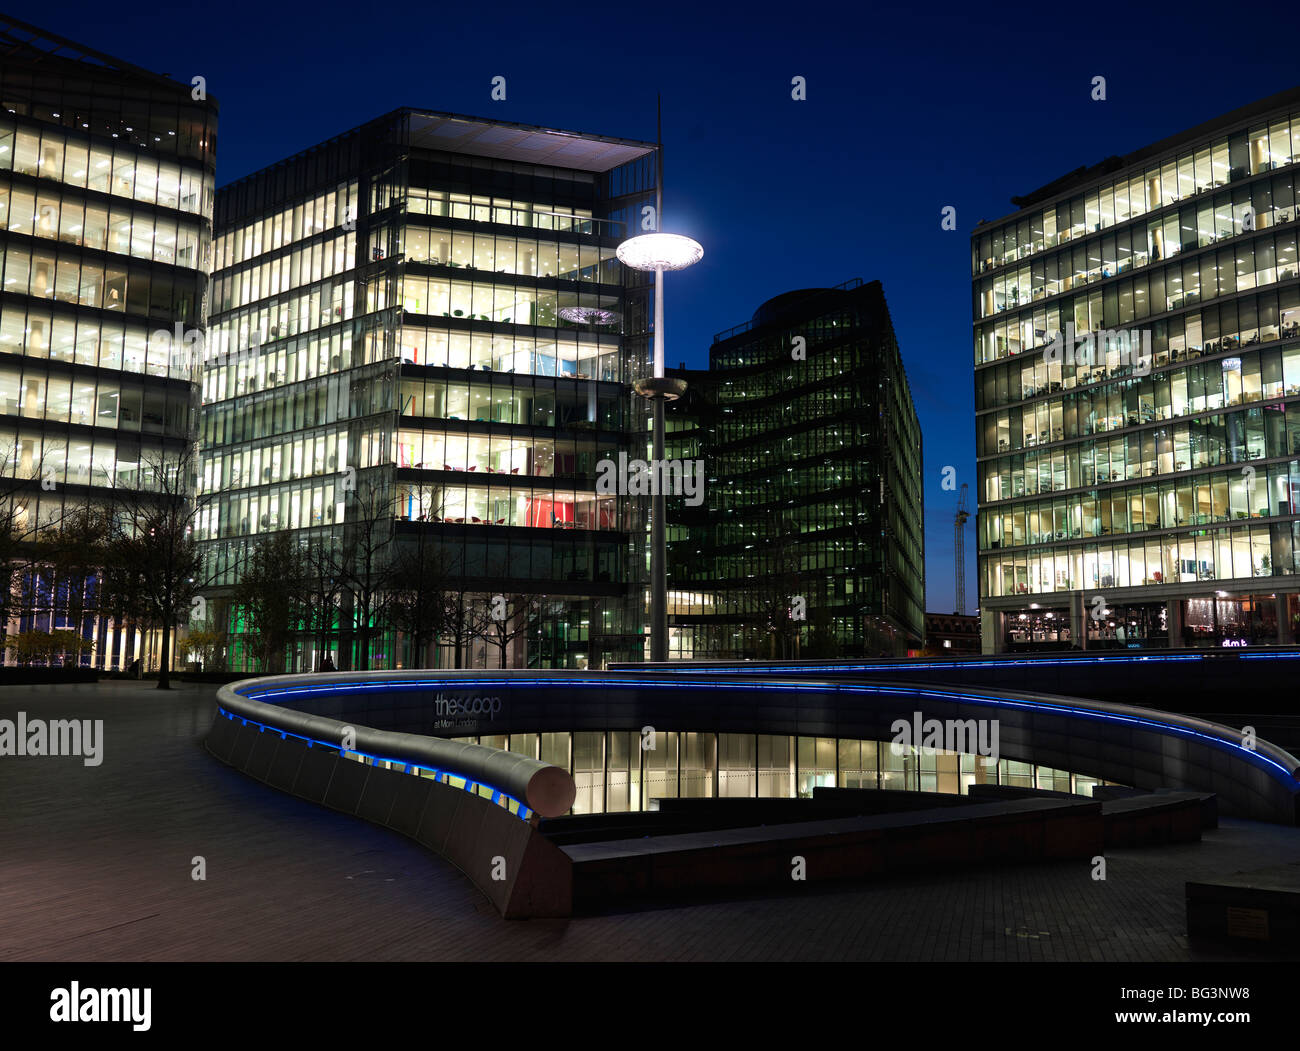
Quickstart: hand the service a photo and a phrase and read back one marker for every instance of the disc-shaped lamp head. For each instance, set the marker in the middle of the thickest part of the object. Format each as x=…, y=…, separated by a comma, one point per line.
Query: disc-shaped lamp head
x=660, y=251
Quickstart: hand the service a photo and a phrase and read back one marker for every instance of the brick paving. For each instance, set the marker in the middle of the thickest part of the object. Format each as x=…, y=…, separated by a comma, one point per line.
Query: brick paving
x=95, y=864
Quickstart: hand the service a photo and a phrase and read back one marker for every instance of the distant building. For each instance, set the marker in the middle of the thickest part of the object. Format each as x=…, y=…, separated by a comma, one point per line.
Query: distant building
x=808, y=539
x=951, y=635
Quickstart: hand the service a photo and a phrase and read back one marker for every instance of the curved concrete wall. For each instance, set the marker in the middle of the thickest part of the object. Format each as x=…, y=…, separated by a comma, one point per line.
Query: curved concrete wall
x=521, y=872
x=1137, y=746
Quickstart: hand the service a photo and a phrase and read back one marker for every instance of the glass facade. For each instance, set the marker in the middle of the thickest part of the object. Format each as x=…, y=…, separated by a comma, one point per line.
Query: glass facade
x=615, y=774
x=106, y=198
x=398, y=302
x=809, y=538
x=1120, y=491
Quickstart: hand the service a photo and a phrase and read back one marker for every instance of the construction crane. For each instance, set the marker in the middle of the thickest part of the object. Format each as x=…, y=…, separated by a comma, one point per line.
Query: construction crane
x=959, y=549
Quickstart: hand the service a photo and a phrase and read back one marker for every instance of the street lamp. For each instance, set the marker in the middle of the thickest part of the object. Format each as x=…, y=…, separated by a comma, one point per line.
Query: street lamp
x=659, y=252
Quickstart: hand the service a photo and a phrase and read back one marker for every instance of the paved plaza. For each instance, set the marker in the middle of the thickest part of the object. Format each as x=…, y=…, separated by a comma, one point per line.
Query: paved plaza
x=97, y=864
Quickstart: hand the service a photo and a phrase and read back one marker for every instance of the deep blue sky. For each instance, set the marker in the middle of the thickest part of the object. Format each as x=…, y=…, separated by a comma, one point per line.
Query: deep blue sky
x=910, y=108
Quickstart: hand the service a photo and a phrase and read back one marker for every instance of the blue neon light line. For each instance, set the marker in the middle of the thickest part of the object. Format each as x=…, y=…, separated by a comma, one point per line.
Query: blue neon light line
x=1015, y=662
x=523, y=810
x=886, y=689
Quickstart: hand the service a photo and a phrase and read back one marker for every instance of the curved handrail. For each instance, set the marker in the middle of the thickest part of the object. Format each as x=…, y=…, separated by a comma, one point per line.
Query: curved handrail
x=541, y=787
x=1273, y=759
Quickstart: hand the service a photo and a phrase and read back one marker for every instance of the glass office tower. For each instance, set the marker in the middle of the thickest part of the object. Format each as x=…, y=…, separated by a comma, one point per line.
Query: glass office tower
x=106, y=191
x=1144, y=490
x=809, y=540
x=422, y=337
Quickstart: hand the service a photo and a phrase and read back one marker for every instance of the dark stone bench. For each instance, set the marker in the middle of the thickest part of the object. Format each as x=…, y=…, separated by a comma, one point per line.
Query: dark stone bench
x=1008, y=832
x=1259, y=908
x=1152, y=819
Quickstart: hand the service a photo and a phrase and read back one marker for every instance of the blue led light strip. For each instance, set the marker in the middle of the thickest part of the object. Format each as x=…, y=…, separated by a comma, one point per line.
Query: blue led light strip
x=1271, y=766
x=498, y=797
x=759, y=668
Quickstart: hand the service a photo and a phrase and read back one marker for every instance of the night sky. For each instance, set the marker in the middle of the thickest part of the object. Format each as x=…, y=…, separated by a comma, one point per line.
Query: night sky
x=909, y=109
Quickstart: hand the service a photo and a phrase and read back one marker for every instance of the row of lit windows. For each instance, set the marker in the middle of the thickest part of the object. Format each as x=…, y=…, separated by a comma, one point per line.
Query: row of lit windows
x=1254, y=373
x=511, y=255
x=1261, y=370
x=1205, y=500
x=323, y=503
x=1225, y=159
x=57, y=461
x=298, y=314
x=615, y=772
x=1232, y=620
x=1206, y=555
x=1256, y=263
x=104, y=403
x=504, y=212
x=110, y=344
x=301, y=266
x=139, y=233
x=500, y=454
x=504, y=304
x=122, y=170
x=511, y=505
x=1130, y=403
x=289, y=459
x=67, y=278
x=327, y=452
x=1210, y=442
x=575, y=359
x=1251, y=208
x=294, y=223
x=227, y=375
x=333, y=400
x=1267, y=316
x=514, y=400
x=288, y=507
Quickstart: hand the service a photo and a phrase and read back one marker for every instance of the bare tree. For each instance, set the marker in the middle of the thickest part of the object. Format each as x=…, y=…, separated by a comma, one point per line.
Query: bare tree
x=324, y=565
x=19, y=535
x=776, y=595
x=508, y=618
x=154, y=565
x=74, y=551
x=366, y=554
x=417, y=581
x=274, y=594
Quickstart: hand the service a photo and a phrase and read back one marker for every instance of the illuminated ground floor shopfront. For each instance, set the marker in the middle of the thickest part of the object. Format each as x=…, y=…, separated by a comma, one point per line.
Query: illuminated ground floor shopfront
x=615, y=774
x=1226, y=619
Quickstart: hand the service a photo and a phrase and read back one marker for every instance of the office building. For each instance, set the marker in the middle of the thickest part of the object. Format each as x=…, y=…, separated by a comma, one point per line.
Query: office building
x=423, y=341
x=106, y=192
x=1143, y=488
x=808, y=539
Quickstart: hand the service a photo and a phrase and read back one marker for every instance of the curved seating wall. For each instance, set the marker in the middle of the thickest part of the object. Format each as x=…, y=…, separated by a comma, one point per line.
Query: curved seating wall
x=519, y=870
x=1122, y=743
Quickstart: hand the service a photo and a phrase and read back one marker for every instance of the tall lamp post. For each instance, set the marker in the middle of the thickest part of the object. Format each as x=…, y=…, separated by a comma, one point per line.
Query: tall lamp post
x=659, y=252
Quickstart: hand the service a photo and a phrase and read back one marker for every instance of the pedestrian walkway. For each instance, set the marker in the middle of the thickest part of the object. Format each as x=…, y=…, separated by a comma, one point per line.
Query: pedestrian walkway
x=97, y=865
